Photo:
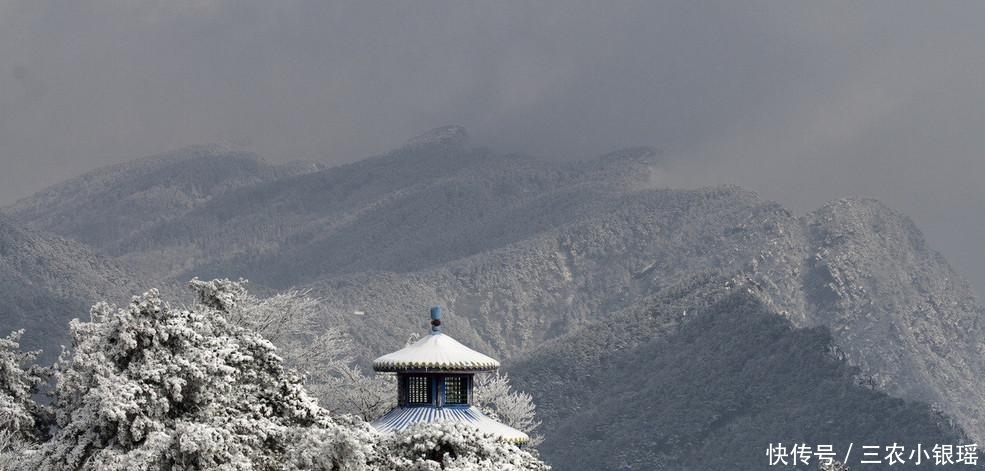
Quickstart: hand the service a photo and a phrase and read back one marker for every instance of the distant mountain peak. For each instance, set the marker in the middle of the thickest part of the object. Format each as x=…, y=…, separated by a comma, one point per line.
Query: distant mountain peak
x=444, y=135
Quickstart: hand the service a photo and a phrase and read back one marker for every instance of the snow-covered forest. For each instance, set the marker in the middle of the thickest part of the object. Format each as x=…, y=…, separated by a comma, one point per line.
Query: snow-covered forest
x=234, y=382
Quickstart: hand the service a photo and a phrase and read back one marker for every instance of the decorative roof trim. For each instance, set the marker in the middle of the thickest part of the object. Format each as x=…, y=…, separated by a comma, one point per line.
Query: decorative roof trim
x=400, y=367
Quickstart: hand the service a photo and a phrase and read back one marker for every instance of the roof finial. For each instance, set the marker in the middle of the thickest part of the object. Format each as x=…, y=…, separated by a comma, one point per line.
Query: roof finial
x=435, y=320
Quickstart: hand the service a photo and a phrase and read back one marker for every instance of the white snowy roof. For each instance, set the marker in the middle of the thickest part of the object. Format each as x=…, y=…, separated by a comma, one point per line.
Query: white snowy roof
x=400, y=418
x=436, y=351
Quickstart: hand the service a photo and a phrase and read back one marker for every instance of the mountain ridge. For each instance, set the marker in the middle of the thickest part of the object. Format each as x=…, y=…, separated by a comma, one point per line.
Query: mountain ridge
x=119, y=200
x=527, y=255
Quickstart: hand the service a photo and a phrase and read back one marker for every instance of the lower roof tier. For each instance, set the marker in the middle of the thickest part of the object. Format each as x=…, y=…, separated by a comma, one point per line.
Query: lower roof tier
x=399, y=418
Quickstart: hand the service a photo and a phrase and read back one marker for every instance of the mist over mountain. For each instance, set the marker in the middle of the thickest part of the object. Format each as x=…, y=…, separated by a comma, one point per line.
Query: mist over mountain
x=635, y=314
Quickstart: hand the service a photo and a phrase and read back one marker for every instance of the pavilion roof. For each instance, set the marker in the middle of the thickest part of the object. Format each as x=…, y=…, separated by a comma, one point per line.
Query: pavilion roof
x=438, y=352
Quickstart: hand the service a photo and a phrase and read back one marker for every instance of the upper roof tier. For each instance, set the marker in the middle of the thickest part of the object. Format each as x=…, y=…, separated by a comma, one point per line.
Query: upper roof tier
x=435, y=352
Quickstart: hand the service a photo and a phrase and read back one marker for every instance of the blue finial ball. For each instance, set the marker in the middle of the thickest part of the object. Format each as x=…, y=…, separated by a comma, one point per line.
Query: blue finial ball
x=435, y=319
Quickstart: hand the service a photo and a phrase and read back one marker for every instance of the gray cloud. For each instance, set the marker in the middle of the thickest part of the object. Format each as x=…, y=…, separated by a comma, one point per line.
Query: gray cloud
x=803, y=102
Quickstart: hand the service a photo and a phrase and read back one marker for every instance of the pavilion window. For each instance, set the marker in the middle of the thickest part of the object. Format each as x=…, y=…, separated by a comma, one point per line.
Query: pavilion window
x=419, y=390
x=456, y=390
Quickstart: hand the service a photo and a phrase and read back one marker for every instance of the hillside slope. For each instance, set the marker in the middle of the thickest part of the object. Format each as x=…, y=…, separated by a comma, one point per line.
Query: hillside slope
x=709, y=389
x=45, y=281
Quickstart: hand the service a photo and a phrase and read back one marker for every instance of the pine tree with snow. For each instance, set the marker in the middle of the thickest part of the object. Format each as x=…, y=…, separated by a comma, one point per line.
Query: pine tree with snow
x=23, y=422
x=152, y=387
x=21, y=418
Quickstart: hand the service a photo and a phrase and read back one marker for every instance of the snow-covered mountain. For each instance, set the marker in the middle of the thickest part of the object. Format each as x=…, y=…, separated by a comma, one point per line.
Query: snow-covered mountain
x=558, y=268
x=45, y=281
x=702, y=378
x=110, y=204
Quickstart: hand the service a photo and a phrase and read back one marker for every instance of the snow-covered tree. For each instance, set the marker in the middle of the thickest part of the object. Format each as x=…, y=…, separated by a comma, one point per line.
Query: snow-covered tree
x=350, y=391
x=322, y=449
x=495, y=397
x=151, y=387
x=451, y=447
x=21, y=418
x=10, y=448
x=308, y=336
x=310, y=340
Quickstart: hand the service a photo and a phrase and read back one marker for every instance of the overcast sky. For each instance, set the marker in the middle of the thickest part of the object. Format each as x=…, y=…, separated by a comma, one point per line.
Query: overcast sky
x=803, y=102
